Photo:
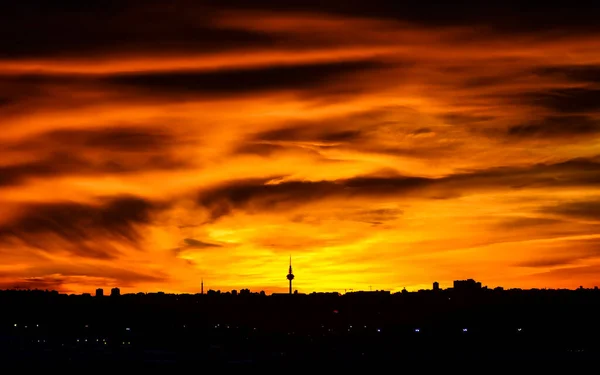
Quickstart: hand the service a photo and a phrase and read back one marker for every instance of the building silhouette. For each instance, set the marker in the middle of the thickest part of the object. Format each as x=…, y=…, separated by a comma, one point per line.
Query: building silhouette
x=436, y=286
x=290, y=275
x=99, y=292
x=468, y=285
x=115, y=292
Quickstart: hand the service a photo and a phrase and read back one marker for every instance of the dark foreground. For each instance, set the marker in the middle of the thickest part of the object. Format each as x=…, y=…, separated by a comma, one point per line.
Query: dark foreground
x=413, y=332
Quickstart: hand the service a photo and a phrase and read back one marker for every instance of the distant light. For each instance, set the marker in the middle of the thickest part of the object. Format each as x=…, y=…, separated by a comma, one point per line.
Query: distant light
x=77, y=340
x=15, y=324
x=350, y=326
x=464, y=330
x=519, y=329
x=378, y=330
x=335, y=311
x=97, y=340
x=417, y=330
x=105, y=343
x=128, y=329
x=37, y=325
x=85, y=340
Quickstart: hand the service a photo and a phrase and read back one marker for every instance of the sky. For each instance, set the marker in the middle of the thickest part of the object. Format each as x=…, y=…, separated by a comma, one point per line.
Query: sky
x=148, y=145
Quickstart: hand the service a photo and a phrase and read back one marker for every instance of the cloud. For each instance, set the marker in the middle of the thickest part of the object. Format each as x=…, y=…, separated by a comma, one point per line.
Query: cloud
x=245, y=81
x=563, y=254
x=264, y=194
x=557, y=126
x=586, y=209
x=573, y=276
x=32, y=283
x=309, y=134
x=196, y=244
x=567, y=101
x=62, y=277
x=81, y=229
x=119, y=138
x=105, y=28
x=91, y=151
x=576, y=73
x=395, y=135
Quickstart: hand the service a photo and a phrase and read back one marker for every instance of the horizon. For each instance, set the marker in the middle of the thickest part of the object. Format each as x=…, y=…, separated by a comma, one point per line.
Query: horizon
x=340, y=292
x=382, y=144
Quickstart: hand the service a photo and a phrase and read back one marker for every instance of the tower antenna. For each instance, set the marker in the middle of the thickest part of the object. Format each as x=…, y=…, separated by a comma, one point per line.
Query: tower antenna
x=290, y=275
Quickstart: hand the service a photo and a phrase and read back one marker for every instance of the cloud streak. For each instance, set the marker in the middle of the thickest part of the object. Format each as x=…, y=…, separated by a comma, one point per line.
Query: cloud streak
x=381, y=142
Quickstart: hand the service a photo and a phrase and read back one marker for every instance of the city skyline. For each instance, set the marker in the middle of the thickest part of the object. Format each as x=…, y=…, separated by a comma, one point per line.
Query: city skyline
x=150, y=146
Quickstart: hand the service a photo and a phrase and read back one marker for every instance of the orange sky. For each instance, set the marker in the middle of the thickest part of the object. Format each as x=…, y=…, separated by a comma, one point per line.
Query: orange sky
x=147, y=147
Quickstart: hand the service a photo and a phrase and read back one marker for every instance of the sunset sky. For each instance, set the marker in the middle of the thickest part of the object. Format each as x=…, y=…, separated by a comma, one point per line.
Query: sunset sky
x=150, y=144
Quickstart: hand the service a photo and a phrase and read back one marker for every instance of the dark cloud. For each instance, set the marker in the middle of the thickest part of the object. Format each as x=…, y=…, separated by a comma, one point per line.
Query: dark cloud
x=567, y=101
x=92, y=151
x=60, y=164
x=537, y=222
x=35, y=283
x=138, y=139
x=57, y=277
x=557, y=126
x=461, y=119
x=260, y=149
x=196, y=244
x=374, y=216
x=37, y=29
x=421, y=131
x=124, y=277
x=84, y=226
x=550, y=262
x=577, y=73
x=566, y=253
x=587, y=210
x=260, y=195
x=574, y=274
x=243, y=81
x=507, y=16
x=309, y=134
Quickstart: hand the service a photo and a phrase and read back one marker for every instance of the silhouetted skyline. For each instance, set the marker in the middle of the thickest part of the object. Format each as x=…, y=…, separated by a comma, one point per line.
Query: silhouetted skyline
x=460, y=326
x=149, y=144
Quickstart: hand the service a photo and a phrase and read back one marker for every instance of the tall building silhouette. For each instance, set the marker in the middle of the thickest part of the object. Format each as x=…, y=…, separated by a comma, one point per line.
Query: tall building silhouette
x=290, y=275
x=99, y=292
x=202, y=286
